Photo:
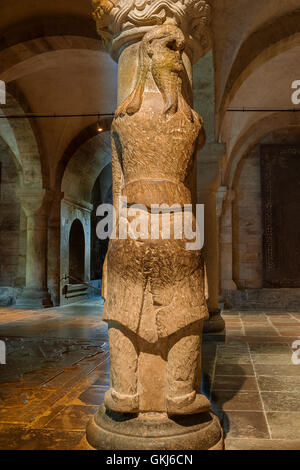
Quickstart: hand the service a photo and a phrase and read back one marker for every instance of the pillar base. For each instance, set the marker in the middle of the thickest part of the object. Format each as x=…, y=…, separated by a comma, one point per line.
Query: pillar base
x=34, y=298
x=154, y=431
x=215, y=323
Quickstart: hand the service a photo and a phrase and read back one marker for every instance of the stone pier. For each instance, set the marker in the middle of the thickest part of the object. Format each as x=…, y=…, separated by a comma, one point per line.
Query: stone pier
x=35, y=204
x=210, y=195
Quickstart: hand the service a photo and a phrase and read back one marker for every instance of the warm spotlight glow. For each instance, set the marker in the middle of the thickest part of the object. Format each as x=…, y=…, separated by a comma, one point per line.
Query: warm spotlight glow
x=99, y=129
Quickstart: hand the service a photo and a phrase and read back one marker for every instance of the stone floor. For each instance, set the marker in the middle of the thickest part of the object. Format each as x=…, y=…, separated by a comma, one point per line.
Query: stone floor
x=57, y=372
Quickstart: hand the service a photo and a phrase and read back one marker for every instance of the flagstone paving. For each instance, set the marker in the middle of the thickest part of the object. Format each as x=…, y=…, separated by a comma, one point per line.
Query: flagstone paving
x=57, y=372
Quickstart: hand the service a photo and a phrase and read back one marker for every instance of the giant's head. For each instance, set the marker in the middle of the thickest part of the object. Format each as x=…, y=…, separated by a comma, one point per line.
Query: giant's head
x=164, y=45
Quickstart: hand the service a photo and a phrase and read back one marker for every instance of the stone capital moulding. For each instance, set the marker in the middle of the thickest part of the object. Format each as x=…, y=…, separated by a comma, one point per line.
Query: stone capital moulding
x=221, y=196
x=121, y=22
x=35, y=201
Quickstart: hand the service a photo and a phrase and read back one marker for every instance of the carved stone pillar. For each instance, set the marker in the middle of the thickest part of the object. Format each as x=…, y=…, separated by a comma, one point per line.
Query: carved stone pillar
x=35, y=204
x=208, y=194
x=154, y=284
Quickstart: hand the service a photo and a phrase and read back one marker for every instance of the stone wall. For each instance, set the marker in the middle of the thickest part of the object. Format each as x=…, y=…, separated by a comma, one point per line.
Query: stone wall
x=9, y=223
x=247, y=224
x=204, y=93
x=247, y=237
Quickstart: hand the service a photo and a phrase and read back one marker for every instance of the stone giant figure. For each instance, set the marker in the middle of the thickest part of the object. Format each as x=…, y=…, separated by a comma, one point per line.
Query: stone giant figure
x=154, y=287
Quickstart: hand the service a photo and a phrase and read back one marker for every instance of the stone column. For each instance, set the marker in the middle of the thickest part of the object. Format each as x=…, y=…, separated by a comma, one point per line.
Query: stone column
x=226, y=245
x=54, y=239
x=154, y=287
x=208, y=194
x=35, y=204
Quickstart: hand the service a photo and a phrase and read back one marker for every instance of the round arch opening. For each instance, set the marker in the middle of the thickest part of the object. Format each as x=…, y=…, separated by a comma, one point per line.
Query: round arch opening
x=76, y=253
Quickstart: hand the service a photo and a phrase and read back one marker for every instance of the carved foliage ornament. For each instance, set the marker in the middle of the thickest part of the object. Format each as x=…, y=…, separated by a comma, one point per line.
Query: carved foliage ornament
x=192, y=16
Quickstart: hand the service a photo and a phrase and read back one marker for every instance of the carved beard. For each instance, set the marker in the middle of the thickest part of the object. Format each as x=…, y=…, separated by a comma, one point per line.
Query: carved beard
x=165, y=67
x=168, y=83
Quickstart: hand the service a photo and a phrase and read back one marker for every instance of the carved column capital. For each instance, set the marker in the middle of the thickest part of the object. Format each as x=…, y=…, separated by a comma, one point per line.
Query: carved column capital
x=230, y=196
x=35, y=201
x=221, y=195
x=120, y=22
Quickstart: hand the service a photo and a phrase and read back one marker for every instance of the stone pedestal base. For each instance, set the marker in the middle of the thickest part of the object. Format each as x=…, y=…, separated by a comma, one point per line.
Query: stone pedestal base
x=215, y=322
x=34, y=298
x=154, y=431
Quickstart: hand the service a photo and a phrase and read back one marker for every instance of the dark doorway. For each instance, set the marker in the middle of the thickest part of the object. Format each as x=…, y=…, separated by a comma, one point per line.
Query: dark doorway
x=280, y=165
x=102, y=194
x=76, y=253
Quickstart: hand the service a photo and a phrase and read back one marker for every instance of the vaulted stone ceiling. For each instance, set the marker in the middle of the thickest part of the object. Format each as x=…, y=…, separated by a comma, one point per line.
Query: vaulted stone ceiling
x=256, y=45
x=51, y=58
x=52, y=62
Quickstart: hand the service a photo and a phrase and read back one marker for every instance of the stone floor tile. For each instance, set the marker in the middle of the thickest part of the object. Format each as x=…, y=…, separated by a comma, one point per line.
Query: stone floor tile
x=261, y=444
x=277, y=370
x=287, y=323
x=234, y=359
x=92, y=396
x=72, y=418
x=275, y=348
x=284, y=425
x=234, y=347
x=280, y=384
x=281, y=401
x=60, y=395
x=26, y=439
x=237, y=401
x=238, y=332
x=236, y=382
x=260, y=331
x=248, y=424
x=84, y=445
x=234, y=369
x=272, y=359
x=292, y=331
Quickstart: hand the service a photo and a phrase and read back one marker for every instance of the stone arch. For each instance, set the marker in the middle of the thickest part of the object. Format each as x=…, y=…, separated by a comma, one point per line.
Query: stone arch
x=255, y=133
x=88, y=141
x=19, y=136
x=41, y=27
x=82, y=168
x=36, y=55
x=20, y=58
x=262, y=45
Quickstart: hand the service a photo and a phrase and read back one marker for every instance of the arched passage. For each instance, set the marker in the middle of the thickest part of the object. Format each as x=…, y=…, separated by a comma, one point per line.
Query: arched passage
x=102, y=194
x=261, y=220
x=83, y=190
x=76, y=253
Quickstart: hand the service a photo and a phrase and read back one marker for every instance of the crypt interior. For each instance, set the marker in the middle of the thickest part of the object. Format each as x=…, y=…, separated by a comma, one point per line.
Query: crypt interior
x=56, y=171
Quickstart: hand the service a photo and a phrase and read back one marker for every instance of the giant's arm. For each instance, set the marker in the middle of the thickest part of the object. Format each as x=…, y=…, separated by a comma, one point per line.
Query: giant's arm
x=118, y=181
